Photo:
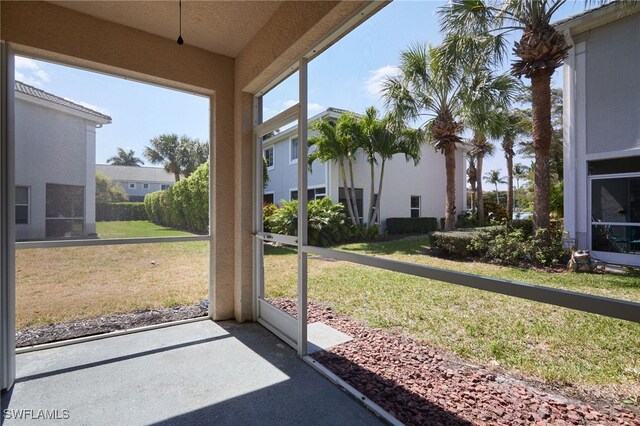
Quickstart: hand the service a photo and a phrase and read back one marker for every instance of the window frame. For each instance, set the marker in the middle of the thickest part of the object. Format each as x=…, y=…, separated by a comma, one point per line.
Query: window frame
x=145, y=186
x=28, y=205
x=291, y=144
x=131, y=185
x=413, y=209
x=273, y=157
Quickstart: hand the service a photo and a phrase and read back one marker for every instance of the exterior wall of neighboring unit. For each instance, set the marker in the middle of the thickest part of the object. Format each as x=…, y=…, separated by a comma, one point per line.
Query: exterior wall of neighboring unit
x=402, y=179
x=52, y=147
x=602, y=128
x=137, y=181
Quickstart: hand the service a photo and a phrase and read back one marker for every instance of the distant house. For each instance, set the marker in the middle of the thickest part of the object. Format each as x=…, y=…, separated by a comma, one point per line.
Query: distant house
x=138, y=181
x=55, y=165
x=602, y=132
x=408, y=191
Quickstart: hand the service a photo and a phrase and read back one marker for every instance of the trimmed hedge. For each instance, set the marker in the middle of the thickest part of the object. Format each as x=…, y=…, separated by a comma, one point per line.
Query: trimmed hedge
x=454, y=243
x=411, y=225
x=184, y=205
x=108, y=212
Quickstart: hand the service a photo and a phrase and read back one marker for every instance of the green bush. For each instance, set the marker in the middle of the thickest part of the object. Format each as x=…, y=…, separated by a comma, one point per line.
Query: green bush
x=466, y=220
x=525, y=225
x=514, y=245
x=455, y=244
x=328, y=225
x=184, y=205
x=107, y=212
x=411, y=225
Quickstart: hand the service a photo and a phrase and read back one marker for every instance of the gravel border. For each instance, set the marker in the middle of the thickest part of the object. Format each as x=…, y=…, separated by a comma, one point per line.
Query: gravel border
x=99, y=325
x=422, y=385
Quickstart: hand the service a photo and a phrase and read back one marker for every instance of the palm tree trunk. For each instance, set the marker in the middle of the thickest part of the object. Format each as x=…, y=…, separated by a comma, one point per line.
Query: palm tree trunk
x=371, y=193
x=497, y=197
x=450, y=198
x=379, y=190
x=510, y=200
x=479, y=191
x=343, y=174
x=354, y=198
x=176, y=175
x=541, y=132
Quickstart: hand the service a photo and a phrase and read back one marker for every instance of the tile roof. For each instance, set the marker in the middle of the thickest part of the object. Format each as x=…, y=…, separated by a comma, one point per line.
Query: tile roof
x=136, y=174
x=46, y=96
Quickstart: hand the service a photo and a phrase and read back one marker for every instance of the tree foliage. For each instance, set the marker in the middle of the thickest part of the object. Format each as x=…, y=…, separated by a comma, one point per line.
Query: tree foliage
x=125, y=158
x=107, y=191
x=180, y=156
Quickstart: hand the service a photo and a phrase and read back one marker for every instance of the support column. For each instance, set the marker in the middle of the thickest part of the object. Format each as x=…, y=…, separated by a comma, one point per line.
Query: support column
x=244, y=197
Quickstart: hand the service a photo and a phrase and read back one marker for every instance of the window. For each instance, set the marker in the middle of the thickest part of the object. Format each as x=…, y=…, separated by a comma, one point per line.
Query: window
x=145, y=186
x=64, y=211
x=268, y=156
x=615, y=214
x=293, y=150
x=268, y=198
x=163, y=187
x=22, y=204
x=316, y=193
x=132, y=186
x=312, y=193
x=415, y=206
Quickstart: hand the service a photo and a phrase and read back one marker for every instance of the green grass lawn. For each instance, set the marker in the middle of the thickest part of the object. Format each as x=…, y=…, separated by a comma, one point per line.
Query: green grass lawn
x=534, y=339
x=136, y=229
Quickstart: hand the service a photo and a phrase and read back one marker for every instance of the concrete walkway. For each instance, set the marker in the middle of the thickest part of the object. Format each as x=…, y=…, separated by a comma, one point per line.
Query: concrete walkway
x=190, y=374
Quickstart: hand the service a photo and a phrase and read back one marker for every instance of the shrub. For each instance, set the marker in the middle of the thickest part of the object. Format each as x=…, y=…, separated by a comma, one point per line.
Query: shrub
x=513, y=245
x=411, y=225
x=466, y=220
x=184, y=205
x=268, y=209
x=107, y=191
x=328, y=225
x=106, y=212
x=525, y=225
x=455, y=244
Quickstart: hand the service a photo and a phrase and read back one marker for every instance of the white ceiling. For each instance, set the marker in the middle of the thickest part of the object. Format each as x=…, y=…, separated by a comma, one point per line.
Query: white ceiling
x=223, y=27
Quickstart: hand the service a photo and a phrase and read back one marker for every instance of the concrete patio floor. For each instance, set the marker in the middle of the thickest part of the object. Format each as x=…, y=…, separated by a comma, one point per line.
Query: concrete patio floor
x=190, y=374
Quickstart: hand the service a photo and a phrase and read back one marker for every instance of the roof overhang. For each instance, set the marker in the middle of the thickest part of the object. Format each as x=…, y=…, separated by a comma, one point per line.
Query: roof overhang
x=597, y=17
x=74, y=112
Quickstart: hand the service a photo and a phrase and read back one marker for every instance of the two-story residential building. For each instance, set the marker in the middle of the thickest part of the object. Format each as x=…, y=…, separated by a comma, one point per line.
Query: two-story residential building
x=137, y=181
x=55, y=153
x=408, y=190
x=602, y=132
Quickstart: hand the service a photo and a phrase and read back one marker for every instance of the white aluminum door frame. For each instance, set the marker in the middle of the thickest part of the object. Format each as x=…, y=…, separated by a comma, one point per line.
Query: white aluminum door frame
x=7, y=221
x=291, y=330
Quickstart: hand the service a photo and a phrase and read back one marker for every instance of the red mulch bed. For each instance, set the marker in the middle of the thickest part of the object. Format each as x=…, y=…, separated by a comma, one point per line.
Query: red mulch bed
x=422, y=385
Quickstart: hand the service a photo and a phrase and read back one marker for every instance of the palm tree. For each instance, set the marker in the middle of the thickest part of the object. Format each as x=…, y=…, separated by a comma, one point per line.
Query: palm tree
x=493, y=177
x=430, y=87
x=335, y=142
x=385, y=138
x=540, y=50
x=481, y=148
x=164, y=150
x=520, y=171
x=180, y=156
x=472, y=178
x=125, y=158
x=510, y=126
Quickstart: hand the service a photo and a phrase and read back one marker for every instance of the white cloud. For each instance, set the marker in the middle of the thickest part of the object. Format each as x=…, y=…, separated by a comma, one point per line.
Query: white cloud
x=314, y=108
x=26, y=64
x=88, y=105
x=289, y=103
x=373, y=85
x=29, y=72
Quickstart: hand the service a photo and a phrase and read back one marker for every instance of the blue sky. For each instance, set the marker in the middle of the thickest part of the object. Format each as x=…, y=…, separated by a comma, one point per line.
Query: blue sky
x=346, y=76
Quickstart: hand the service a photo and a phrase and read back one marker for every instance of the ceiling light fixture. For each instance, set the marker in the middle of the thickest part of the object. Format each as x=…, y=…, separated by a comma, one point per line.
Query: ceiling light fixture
x=180, y=40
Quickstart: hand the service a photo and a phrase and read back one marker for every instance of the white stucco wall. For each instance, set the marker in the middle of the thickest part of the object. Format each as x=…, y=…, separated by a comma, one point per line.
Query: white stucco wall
x=52, y=147
x=601, y=117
